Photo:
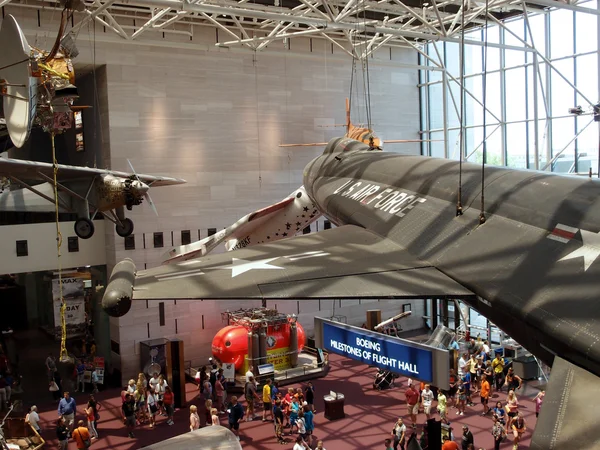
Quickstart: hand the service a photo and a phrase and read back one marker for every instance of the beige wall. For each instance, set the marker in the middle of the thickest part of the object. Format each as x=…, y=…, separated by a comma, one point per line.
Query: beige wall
x=215, y=117
x=41, y=245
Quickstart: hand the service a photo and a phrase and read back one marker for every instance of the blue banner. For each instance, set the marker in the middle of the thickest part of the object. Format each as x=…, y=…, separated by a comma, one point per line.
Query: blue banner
x=384, y=352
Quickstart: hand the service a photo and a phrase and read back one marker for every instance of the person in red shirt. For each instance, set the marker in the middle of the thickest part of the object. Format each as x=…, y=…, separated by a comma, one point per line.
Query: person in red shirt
x=169, y=403
x=412, y=403
x=449, y=445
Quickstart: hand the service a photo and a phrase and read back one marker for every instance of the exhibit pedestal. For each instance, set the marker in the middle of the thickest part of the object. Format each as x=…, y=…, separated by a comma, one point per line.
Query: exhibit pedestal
x=334, y=407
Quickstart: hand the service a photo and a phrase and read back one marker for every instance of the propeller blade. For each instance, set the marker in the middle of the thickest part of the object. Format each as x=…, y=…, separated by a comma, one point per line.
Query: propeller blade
x=315, y=144
x=133, y=170
x=150, y=202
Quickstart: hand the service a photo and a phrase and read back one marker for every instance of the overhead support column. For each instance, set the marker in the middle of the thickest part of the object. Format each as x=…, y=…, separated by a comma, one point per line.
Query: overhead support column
x=434, y=313
x=445, y=88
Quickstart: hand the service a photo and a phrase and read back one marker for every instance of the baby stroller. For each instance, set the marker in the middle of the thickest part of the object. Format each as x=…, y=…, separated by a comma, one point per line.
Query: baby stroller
x=384, y=379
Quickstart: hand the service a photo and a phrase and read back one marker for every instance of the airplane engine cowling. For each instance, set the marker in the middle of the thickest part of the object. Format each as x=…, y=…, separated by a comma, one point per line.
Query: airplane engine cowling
x=118, y=295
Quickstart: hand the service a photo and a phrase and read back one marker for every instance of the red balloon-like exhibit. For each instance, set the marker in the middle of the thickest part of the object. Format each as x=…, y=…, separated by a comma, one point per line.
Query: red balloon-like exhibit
x=230, y=344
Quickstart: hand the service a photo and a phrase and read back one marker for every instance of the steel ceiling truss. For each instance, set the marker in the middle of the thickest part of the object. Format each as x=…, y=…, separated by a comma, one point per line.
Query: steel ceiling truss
x=358, y=27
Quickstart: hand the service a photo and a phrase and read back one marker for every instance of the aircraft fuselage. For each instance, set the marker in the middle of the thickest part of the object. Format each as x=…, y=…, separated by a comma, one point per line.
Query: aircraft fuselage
x=533, y=263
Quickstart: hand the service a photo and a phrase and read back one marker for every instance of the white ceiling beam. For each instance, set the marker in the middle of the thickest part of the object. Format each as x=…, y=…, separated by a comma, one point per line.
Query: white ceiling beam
x=268, y=38
x=155, y=18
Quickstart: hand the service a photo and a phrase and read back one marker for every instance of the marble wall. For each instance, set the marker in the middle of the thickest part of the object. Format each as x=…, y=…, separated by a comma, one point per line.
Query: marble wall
x=215, y=117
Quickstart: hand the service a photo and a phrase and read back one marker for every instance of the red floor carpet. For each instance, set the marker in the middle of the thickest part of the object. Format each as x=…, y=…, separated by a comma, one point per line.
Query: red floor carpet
x=370, y=416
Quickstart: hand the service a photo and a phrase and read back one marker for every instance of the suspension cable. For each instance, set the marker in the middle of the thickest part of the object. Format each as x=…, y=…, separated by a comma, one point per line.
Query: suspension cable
x=64, y=356
x=459, y=208
x=351, y=81
x=484, y=86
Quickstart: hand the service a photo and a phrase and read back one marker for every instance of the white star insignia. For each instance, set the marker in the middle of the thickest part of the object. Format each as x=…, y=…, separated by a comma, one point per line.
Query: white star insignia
x=239, y=266
x=590, y=250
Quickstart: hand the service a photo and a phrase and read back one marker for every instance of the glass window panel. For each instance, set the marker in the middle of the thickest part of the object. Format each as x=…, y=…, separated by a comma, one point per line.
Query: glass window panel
x=587, y=78
x=516, y=145
x=453, y=58
x=474, y=111
x=541, y=88
x=494, y=146
x=473, y=55
x=563, y=131
x=515, y=94
x=513, y=58
x=541, y=143
x=561, y=32
x=517, y=27
x=537, y=23
x=587, y=146
x=454, y=144
x=474, y=136
x=586, y=32
x=437, y=144
x=563, y=95
x=453, y=114
x=493, y=100
x=493, y=62
x=435, y=106
x=479, y=321
x=434, y=75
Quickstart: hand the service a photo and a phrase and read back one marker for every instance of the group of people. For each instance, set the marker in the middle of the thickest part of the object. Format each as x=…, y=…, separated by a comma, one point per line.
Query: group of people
x=86, y=430
x=291, y=408
x=144, y=399
x=55, y=380
x=478, y=373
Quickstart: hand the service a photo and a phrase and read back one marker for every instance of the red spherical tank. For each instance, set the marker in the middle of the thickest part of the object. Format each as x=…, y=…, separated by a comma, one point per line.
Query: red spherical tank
x=230, y=344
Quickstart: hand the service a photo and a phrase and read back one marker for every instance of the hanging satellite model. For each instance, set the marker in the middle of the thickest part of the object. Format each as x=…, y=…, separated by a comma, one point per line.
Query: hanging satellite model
x=36, y=86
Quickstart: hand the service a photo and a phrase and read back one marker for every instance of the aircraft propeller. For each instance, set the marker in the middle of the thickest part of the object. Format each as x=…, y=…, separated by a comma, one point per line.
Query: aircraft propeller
x=146, y=194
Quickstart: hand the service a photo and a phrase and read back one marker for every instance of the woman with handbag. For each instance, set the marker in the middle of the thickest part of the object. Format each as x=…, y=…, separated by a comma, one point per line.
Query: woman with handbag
x=54, y=390
x=82, y=436
x=93, y=403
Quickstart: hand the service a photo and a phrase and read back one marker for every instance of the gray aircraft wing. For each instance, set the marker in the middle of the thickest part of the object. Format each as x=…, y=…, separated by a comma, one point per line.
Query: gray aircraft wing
x=345, y=262
x=31, y=170
x=568, y=418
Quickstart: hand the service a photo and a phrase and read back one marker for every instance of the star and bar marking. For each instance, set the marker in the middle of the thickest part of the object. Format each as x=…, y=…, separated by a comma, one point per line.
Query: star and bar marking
x=589, y=250
x=240, y=266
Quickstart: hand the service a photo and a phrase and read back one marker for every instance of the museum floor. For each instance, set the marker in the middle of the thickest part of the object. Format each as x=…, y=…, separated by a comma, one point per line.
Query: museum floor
x=370, y=415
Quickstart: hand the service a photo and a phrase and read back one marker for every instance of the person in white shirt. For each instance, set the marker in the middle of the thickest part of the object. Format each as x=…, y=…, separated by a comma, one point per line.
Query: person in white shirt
x=249, y=374
x=301, y=444
x=131, y=386
x=462, y=362
x=426, y=400
x=152, y=406
x=159, y=390
x=33, y=419
x=153, y=381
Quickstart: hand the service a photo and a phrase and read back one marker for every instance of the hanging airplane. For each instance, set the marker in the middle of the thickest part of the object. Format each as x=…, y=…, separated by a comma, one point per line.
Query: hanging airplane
x=81, y=189
x=531, y=266
x=283, y=219
x=362, y=134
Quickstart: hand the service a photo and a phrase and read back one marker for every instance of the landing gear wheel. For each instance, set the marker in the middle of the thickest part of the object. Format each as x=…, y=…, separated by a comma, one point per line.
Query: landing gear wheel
x=84, y=228
x=125, y=229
